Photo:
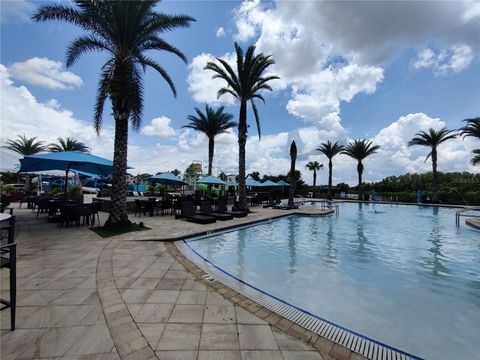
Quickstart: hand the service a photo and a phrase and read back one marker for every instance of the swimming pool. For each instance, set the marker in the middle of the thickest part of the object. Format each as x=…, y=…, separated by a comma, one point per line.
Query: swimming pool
x=402, y=275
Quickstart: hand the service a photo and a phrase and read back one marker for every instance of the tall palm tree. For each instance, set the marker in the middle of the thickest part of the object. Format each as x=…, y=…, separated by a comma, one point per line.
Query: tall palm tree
x=472, y=129
x=125, y=31
x=25, y=146
x=330, y=149
x=245, y=84
x=211, y=123
x=68, y=144
x=314, y=166
x=359, y=150
x=432, y=139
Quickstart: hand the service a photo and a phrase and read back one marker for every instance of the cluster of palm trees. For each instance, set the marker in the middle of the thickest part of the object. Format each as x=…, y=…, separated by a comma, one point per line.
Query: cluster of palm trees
x=358, y=150
x=30, y=146
x=126, y=31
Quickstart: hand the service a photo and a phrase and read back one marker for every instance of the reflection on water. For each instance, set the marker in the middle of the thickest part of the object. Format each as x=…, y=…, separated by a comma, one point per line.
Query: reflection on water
x=402, y=275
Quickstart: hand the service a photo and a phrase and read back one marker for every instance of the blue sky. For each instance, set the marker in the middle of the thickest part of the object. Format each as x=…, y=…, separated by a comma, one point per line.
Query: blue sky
x=379, y=71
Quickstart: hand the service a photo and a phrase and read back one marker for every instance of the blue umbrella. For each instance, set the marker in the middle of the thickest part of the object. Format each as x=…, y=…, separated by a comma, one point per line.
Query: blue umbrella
x=268, y=183
x=167, y=178
x=211, y=180
x=66, y=160
x=232, y=183
x=252, y=182
x=282, y=183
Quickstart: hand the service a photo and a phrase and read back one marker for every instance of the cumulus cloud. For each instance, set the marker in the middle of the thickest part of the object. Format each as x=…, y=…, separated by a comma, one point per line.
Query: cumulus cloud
x=200, y=83
x=443, y=62
x=18, y=10
x=46, y=73
x=22, y=114
x=370, y=33
x=160, y=127
x=221, y=32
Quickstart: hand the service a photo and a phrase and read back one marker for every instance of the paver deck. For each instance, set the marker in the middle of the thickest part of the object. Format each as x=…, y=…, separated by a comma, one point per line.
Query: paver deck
x=84, y=297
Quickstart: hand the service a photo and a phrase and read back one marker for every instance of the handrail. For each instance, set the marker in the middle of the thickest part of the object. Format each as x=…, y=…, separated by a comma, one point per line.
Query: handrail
x=329, y=204
x=461, y=212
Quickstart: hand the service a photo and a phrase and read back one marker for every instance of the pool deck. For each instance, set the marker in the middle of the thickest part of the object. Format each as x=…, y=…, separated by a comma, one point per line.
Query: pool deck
x=473, y=222
x=83, y=297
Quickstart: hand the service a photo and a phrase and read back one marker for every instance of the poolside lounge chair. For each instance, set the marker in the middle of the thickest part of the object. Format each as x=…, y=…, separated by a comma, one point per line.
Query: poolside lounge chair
x=188, y=212
x=222, y=208
x=206, y=209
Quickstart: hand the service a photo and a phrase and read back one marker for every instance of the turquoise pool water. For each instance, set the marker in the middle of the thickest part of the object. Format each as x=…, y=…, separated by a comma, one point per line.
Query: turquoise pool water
x=402, y=275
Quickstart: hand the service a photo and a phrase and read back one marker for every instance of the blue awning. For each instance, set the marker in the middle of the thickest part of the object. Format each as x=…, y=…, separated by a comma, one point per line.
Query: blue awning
x=211, y=180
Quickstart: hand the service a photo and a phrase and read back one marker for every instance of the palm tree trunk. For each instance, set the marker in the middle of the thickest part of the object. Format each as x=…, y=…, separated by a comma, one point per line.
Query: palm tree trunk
x=360, y=172
x=211, y=147
x=434, y=176
x=118, y=213
x=242, y=141
x=330, y=166
x=314, y=180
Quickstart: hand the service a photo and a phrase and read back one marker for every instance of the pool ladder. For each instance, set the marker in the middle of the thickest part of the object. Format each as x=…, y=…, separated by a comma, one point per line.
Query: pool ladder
x=329, y=204
x=462, y=212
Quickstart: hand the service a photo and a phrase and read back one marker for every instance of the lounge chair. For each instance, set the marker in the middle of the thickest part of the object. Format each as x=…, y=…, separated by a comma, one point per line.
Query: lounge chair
x=188, y=212
x=206, y=209
x=222, y=208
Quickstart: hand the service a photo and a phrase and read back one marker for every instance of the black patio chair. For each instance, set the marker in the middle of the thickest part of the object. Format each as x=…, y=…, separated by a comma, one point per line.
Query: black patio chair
x=8, y=259
x=222, y=208
x=69, y=215
x=139, y=207
x=188, y=212
x=206, y=209
x=43, y=205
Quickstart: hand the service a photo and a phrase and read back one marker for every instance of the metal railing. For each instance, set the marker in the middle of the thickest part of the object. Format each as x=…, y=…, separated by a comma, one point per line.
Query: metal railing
x=463, y=212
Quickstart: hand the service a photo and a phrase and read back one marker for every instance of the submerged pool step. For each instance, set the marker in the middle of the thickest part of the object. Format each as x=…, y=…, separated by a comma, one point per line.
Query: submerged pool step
x=351, y=340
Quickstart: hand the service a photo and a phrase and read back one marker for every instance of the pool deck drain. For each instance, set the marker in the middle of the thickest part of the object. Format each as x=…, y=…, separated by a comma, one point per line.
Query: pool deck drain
x=355, y=342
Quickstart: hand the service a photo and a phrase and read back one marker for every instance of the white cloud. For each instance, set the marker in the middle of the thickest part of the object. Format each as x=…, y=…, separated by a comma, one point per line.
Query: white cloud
x=20, y=10
x=200, y=83
x=44, y=72
x=454, y=60
x=221, y=32
x=22, y=113
x=365, y=32
x=159, y=127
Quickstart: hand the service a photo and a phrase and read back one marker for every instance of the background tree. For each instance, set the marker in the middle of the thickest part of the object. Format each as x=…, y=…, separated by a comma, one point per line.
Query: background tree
x=245, y=85
x=359, y=150
x=330, y=149
x=25, y=146
x=176, y=172
x=293, y=158
x=125, y=30
x=314, y=166
x=472, y=129
x=67, y=144
x=255, y=175
x=432, y=139
x=211, y=123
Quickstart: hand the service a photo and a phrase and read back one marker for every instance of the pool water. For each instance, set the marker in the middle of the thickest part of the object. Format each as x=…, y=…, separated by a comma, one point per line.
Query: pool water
x=402, y=275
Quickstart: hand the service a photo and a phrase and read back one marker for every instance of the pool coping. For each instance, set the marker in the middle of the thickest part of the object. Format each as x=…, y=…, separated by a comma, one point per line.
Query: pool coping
x=297, y=322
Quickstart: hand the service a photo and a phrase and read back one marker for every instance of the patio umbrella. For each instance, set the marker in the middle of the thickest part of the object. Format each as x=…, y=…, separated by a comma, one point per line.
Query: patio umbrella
x=252, y=182
x=167, y=178
x=232, y=183
x=282, y=183
x=211, y=180
x=268, y=183
x=66, y=160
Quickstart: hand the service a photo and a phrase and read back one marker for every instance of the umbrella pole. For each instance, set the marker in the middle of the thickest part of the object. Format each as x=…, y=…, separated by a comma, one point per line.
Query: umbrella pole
x=66, y=184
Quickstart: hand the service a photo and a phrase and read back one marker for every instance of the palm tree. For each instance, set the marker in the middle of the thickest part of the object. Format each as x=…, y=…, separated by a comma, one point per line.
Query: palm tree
x=432, y=139
x=293, y=158
x=25, y=146
x=125, y=31
x=211, y=123
x=245, y=85
x=314, y=166
x=330, y=149
x=472, y=129
x=359, y=150
x=68, y=144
